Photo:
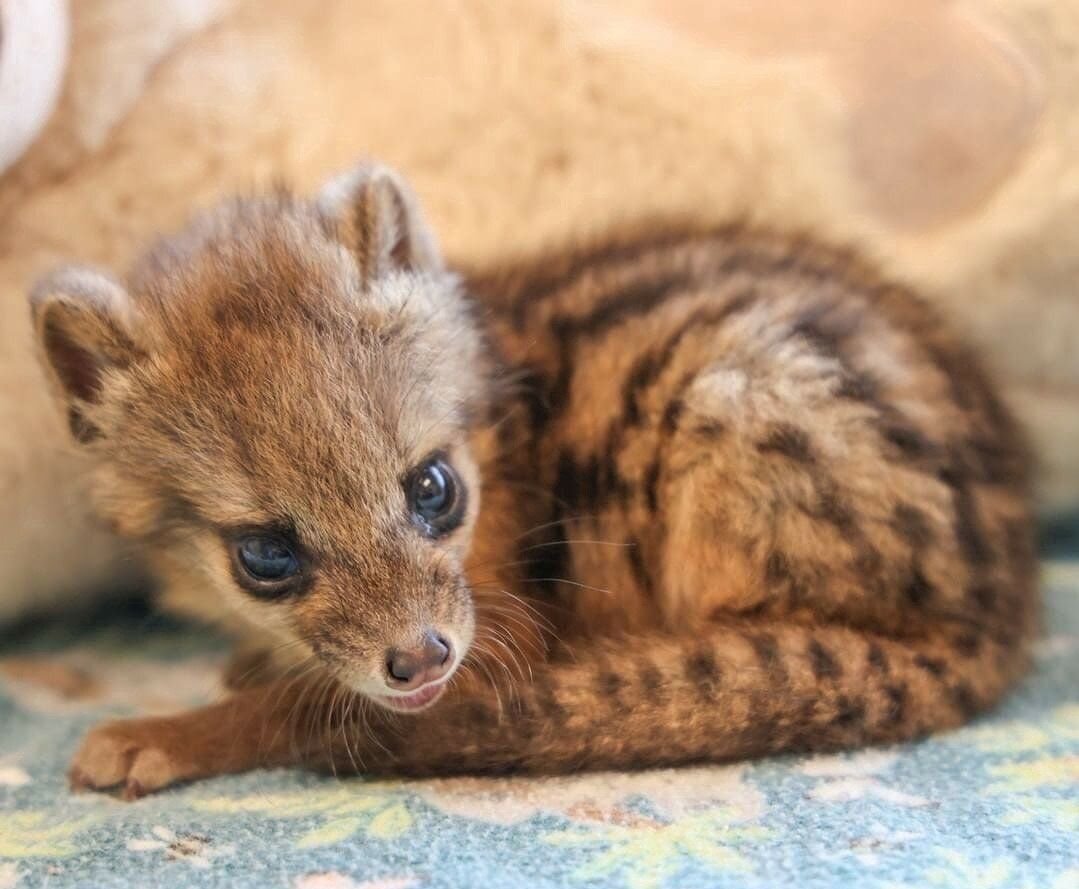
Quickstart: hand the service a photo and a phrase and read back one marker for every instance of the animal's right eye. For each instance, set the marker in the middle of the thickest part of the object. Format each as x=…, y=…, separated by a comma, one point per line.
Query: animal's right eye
x=436, y=497
x=266, y=564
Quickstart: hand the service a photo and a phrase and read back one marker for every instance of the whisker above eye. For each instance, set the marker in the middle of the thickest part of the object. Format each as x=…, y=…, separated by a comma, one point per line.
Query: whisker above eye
x=577, y=541
x=581, y=517
x=576, y=583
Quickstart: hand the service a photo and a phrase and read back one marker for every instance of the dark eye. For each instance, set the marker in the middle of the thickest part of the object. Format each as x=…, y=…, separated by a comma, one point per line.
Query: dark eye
x=435, y=496
x=268, y=562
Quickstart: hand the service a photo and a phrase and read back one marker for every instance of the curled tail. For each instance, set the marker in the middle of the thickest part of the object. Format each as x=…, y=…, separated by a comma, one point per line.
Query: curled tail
x=733, y=691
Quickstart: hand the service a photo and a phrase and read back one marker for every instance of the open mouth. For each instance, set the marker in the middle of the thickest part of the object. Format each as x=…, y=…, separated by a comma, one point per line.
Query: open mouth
x=417, y=700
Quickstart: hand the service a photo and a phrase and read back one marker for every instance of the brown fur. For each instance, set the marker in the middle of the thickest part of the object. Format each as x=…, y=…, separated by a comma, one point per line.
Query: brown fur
x=729, y=492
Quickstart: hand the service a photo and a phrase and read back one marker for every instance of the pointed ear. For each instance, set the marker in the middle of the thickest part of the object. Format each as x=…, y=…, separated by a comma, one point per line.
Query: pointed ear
x=82, y=322
x=378, y=216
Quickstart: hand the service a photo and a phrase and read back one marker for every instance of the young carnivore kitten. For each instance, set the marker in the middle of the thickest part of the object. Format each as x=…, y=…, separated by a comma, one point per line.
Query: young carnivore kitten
x=687, y=496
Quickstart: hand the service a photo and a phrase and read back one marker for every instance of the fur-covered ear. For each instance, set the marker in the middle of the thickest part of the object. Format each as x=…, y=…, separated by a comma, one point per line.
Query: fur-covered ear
x=380, y=219
x=82, y=322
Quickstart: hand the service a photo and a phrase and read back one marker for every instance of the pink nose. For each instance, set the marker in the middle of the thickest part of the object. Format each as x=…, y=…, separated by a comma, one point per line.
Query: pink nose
x=409, y=668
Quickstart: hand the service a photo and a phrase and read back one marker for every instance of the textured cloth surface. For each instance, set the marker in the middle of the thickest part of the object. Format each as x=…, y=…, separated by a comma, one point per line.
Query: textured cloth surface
x=993, y=805
x=939, y=137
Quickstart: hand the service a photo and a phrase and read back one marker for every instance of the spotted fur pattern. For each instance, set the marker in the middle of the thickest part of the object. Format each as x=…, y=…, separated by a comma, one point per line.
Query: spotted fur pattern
x=735, y=493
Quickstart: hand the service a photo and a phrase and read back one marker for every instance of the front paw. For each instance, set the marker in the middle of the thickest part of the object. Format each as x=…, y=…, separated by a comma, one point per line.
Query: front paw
x=136, y=756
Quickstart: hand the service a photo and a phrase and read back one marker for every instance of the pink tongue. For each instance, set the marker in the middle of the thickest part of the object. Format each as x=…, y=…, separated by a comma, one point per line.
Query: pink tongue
x=420, y=697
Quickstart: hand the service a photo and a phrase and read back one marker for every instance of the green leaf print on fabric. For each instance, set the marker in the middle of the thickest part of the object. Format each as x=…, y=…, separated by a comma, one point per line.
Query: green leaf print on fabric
x=39, y=834
x=646, y=853
x=343, y=812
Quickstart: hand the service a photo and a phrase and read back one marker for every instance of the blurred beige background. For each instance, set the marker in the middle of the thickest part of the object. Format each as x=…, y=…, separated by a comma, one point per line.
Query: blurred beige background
x=942, y=137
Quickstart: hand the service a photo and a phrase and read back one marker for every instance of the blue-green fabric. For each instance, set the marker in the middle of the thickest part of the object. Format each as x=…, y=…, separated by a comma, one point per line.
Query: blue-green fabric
x=991, y=806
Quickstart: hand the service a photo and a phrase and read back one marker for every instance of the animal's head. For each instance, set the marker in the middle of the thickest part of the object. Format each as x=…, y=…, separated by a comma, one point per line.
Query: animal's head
x=281, y=400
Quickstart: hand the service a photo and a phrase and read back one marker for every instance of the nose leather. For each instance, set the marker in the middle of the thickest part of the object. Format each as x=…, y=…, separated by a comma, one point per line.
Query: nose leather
x=408, y=668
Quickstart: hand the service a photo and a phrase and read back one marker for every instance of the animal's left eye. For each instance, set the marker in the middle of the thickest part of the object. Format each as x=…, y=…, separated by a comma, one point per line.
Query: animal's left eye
x=268, y=565
x=435, y=496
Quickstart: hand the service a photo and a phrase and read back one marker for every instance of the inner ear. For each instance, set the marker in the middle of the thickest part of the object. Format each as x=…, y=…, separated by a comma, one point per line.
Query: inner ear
x=79, y=370
x=82, y=320
x=380, y=219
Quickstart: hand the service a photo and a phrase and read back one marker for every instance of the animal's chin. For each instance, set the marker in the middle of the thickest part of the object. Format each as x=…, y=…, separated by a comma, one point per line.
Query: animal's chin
x=414, y=702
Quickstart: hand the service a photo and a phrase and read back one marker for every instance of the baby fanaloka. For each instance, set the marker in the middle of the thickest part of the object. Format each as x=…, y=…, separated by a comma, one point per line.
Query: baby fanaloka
x=682, y=495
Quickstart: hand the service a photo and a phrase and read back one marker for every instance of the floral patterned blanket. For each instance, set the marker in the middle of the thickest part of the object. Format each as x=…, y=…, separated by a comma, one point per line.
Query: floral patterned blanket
x=994, y=805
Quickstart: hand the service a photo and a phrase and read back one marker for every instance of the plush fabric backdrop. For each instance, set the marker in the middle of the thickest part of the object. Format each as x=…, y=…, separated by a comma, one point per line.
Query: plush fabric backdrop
x=939, y=134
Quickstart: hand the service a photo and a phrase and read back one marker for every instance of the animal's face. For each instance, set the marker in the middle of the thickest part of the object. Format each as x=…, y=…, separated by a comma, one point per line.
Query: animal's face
x=282, y=405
